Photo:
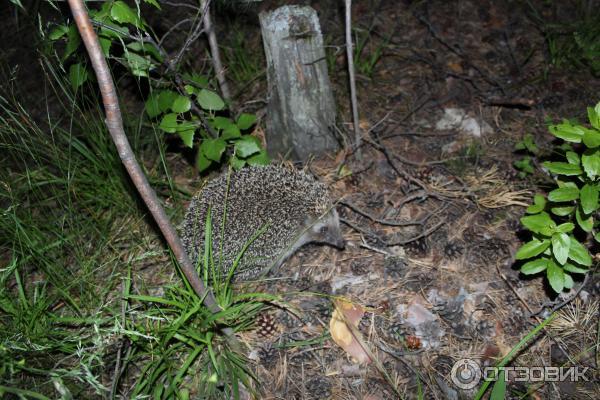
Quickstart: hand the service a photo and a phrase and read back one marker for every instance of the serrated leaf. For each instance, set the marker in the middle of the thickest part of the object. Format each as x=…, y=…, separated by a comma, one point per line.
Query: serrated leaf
x=105, y=45
x=236, y=163
x=221, y=122
x=213, y=148
x=261, y=158
x=539, y=223
x=586, y=223
x=590, y=160
x=565, y=227
x=573, y=158
x=588, y=196
x=77, y=75
x=562, y=211
x=187, y=136
x=181, y=104
x=209, y=100
x=246, y=146
x=567, y=131
x=556, y=277
x=151, y=106
x=591, y=138
x=535, y=266
x=166, y=99
x=231, y=132
x=139, y=65
x=539, y=202
x=532, y=249
x=562, y=168
x=73, y=41
x=578, y=253
x=202, y=163
x=560, y=247
x=574, y=269
x=245, y=121
x=563, y=194
x=58, y=32
x=169, y=123
x=123, y=14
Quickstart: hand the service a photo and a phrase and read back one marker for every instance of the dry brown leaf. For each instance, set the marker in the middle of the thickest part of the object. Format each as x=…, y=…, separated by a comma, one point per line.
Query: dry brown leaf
x=347, y=312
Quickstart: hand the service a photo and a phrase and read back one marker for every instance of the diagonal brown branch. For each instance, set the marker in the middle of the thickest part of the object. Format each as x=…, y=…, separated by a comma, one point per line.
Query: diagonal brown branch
x=114, y=123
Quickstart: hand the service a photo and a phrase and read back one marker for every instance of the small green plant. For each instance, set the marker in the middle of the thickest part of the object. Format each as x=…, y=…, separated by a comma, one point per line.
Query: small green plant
x=366, y=54
x=180, y=102
x=568, y=211
x=524, y=165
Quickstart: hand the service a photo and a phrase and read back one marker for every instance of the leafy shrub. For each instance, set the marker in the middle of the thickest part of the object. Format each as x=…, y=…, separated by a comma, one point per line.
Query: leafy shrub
x=567, y=212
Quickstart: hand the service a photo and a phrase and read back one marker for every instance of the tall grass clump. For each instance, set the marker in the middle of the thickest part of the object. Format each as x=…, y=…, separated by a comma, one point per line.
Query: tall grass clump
x=76, y=318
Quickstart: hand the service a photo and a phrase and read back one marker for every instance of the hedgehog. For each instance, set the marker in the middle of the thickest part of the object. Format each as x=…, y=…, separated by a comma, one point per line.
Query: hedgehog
x=271, y=211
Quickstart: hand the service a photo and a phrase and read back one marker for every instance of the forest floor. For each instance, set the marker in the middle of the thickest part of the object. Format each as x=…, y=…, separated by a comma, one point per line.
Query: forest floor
x=447, y=91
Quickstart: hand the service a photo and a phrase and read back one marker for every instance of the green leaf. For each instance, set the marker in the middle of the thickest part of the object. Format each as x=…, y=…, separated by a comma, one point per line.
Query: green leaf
x=589, y=198
x=562, y=168
x=499, y=389
x=246, y=146
x=139, y=65
x=578, y=253
x=532, y=249
x=73, y=41
x=539, y=202
x=524, y=165
x=560, y=247
x=166, y=99
x=153, y=3
x=202, y=163
x=187, y=136
x=568, y=281
x=556, y=277
x=236, y=163
x=562, y=211
x=539, y=223
x=123, y=14
x=151, y=105
x=563, y=194
x=213, y=148
x=594, y=116
x=77, y=75
x=586, y=223
x=565, y=228
x=105, y=45
x=573, y=158
x=169, y=123
x=591, y=137
x=261, y=158
x=535, y=266
x=574, y=269
x=199, y=80
x=590, y=160
x=147, y=48
x=567, y=131
x=181, y=104
x=245, y=121
x=58, y=32
x=209, y=100
x=221, y=123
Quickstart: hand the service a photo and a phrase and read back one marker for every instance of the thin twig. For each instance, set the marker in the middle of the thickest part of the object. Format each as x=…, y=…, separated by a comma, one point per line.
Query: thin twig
x=214, y=50
x=114, y=122
x=350, y=56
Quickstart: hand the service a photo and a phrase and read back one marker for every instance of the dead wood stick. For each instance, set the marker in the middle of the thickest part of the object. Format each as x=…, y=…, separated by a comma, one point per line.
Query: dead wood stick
x=114, y=122
x=350, y=56
x=214, y=50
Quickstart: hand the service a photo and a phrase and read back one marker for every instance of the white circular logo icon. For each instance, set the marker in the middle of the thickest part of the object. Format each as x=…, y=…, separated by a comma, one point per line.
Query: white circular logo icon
x=465, y=374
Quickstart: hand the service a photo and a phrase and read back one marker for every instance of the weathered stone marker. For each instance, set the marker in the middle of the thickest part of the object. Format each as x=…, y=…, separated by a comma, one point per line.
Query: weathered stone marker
x=301, y=110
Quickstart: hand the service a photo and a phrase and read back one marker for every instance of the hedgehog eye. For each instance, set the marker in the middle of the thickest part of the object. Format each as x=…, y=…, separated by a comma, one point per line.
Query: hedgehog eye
x=324, y=229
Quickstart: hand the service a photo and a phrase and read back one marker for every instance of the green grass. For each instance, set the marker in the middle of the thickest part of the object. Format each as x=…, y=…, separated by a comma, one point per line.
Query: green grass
x=73, y=239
